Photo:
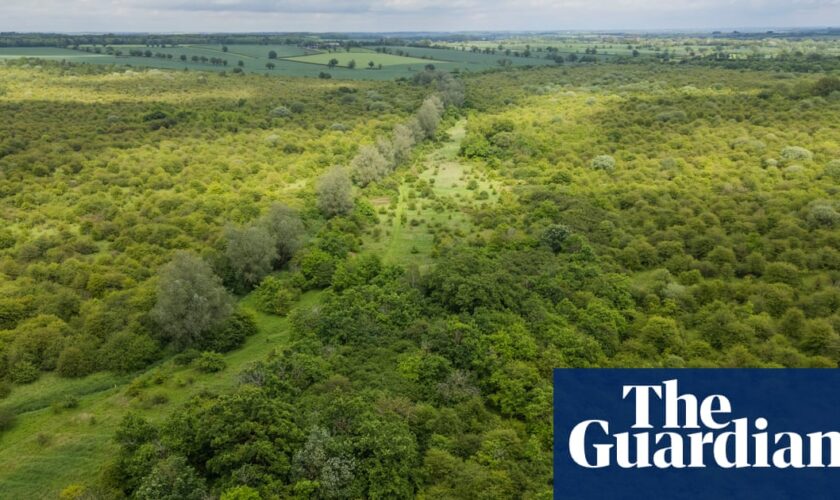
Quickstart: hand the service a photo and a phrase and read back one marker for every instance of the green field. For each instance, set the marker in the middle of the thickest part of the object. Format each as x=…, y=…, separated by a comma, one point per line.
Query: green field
x=361, y=59
x=291, y=60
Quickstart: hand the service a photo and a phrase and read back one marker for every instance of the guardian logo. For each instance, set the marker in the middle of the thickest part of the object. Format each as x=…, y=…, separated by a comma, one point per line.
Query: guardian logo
x=696, y=433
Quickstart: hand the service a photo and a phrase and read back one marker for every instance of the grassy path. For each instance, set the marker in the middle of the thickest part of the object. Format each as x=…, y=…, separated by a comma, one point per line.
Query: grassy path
x=409, y=227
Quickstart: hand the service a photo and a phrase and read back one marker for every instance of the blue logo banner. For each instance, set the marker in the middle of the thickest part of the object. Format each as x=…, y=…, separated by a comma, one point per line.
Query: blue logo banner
x=696, y=433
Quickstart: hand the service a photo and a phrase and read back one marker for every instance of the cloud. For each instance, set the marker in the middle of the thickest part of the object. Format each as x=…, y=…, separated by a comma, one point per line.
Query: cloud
x=414, y=15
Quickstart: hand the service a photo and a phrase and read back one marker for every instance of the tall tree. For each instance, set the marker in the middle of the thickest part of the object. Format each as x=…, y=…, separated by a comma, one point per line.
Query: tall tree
x=191, y=300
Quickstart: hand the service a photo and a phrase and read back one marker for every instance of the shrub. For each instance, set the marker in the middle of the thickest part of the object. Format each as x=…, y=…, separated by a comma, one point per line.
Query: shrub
x=832, y=169
x=24, y=372
x=186, y=357
x=232, y=333
x=281, y=112
x=796, y=153
x=210, y=362
x=274, y=296
x=127, y=352
x=603, y=162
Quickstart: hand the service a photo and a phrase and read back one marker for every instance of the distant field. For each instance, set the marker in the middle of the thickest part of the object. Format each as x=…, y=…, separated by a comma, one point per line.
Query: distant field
x=361, y=58
x=44, y=53
x=291, y=60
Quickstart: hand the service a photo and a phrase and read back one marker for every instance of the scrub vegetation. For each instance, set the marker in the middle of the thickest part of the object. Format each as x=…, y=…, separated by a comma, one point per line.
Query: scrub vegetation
x=217, y=284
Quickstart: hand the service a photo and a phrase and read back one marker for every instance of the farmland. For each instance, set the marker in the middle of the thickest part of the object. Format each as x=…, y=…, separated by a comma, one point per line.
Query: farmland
x=279, y=59
x=361, y=58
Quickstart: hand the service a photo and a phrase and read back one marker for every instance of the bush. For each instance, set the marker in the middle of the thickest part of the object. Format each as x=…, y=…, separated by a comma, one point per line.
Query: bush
x=274, y=296
x=76, y=361
x=24, y=372
x=127, y=352
x=317, y=266
x=210, y=362
x=186, y=357
x=232, y=333
x=603, y=162
x=281, y=112
x=832, y=170
x=796, y=153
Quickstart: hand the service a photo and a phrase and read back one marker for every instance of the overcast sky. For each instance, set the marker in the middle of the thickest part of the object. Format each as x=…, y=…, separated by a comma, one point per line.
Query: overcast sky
x=409, y=15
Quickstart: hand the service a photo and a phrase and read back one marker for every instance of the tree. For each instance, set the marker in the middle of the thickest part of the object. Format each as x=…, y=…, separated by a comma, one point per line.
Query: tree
x=332, y=63
x=270, y=65
x=371, y=64
x=369, y=165
x=250, y=251
x=352, y=64
x=555, y=236
x=335, y=192
x=224, y=48
x=190, y=300
x=172, y=479
x=272, y=54
x=429, y=115
x=826, y=85
x=285, y=227
x=402, y=142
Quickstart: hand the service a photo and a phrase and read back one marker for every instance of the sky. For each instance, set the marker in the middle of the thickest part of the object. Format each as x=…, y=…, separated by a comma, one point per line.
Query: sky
x=409, y=15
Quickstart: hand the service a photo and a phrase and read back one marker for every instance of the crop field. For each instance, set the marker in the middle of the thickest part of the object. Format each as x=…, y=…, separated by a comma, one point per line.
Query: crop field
x=290, y=60
x=361, y=59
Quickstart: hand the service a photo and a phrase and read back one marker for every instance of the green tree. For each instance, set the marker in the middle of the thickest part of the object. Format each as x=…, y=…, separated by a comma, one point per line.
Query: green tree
x=335, y=192
x=251, y=252
x=191, y=300
x=172, y=479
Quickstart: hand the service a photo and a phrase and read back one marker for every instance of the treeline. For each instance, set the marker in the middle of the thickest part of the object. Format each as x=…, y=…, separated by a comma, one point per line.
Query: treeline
x=148, y=40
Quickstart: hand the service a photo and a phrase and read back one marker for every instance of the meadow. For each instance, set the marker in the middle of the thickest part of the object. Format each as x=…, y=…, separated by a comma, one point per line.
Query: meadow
x=393, y=266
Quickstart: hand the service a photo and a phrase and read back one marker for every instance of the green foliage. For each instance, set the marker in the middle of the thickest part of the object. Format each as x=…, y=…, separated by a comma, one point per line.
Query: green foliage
x=276, y=296
x=190, y=300
x=317, y=268
x=603, y=162
x=172, y=479
x=231, y=333
x=210, y=362
x=335, y=192
x=555, y=237
x=251, y=252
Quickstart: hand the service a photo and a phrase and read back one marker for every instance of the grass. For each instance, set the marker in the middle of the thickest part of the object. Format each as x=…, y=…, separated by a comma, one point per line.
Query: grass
x=408, y=227
x=49, y=449
x=361, y=59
